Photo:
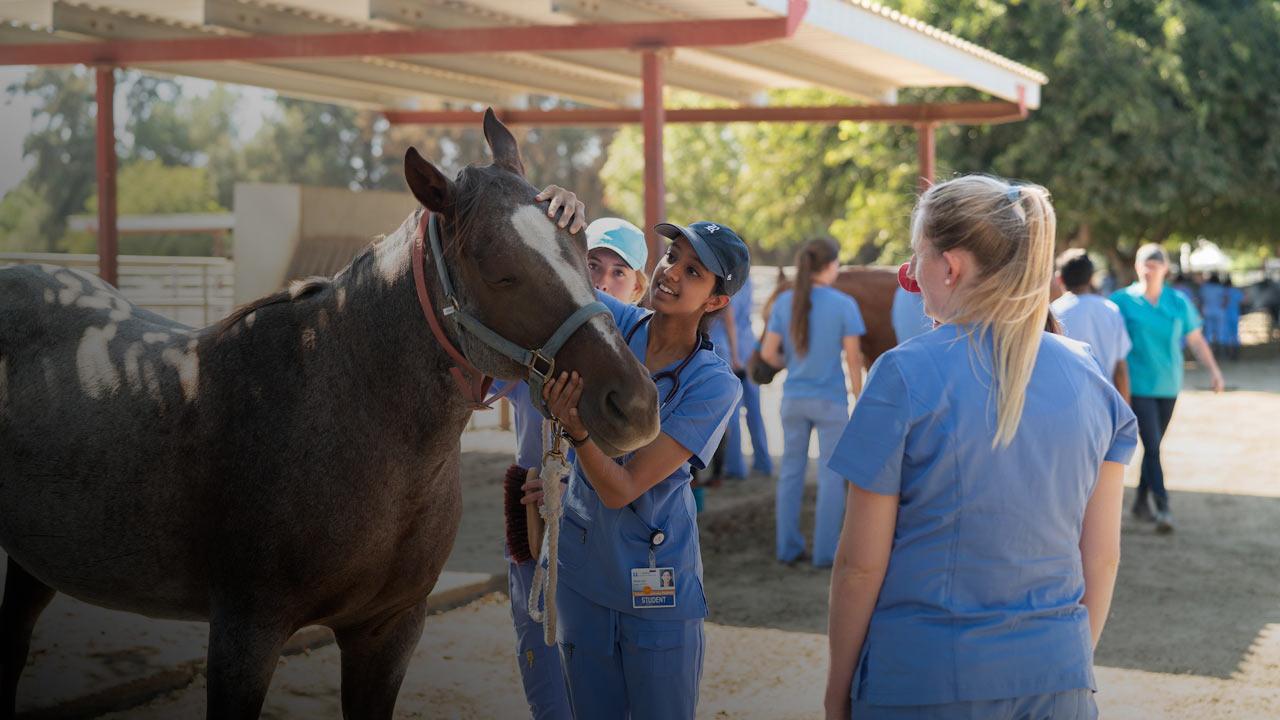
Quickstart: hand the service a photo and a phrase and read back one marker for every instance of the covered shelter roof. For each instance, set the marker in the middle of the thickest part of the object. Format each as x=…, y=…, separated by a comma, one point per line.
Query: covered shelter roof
x=855, y=48
x=433, y=61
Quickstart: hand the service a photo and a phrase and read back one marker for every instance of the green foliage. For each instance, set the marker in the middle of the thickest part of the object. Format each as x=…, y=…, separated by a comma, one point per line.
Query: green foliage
x=149, y=187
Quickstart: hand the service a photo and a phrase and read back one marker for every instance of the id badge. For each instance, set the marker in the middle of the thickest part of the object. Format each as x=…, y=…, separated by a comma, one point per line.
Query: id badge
x=653, y=588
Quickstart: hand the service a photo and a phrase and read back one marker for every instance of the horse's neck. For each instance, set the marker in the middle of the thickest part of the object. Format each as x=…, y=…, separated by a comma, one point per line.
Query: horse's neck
x=384, y=334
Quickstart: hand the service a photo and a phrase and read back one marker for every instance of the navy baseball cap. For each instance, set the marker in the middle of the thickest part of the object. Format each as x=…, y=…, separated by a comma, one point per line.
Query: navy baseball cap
x=718, y=247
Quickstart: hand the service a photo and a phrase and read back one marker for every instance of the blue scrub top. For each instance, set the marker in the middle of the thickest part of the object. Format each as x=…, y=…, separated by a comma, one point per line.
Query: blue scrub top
x=742, y=303
x=528, y=425
x=1213, y=299
x=599, y=546
x=981, y=599
x=1235, y=296
x=908, y=315
x=1157, y=331
x=833, y=316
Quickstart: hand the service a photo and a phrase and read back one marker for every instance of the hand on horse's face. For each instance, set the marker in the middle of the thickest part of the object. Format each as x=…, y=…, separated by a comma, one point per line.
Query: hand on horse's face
x=574, y=215
x=562, y=400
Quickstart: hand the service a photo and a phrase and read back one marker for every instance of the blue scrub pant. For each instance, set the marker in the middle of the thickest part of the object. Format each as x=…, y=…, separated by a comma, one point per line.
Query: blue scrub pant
x=1069, y=705
x=1214, y=327
x=539, y=663
x=735, y=464
x=619, y=666
x=800, y=417
x=1154, y=414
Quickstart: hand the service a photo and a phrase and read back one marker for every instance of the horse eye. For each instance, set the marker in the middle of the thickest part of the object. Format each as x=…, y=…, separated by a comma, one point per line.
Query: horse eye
x=503, y=282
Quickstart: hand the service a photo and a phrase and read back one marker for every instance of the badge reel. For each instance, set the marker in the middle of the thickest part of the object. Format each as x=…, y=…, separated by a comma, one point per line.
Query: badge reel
x=652, y=586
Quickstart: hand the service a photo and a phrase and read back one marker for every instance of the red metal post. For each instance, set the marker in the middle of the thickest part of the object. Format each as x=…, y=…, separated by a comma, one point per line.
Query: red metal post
x=108, y=244
x=925, y=141
x=653, y=114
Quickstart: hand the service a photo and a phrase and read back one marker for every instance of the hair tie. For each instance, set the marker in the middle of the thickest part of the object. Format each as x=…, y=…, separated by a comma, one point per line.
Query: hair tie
x=1014, y=194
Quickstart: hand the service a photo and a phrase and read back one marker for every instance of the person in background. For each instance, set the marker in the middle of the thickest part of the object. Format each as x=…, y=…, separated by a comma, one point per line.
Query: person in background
x=740, y=344
x=985, y=462
x=616, y=255
x=1092, y=319
x=1231, y=319
x=1183, y=284
x=908, y=315
x=809, y=328
x=1213, y=305
x=1158, y=319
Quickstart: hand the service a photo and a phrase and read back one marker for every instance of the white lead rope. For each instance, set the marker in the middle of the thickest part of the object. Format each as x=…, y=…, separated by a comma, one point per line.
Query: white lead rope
x=543, y=593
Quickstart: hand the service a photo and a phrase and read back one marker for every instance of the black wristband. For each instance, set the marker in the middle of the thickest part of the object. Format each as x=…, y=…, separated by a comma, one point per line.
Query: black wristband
x=574, y=442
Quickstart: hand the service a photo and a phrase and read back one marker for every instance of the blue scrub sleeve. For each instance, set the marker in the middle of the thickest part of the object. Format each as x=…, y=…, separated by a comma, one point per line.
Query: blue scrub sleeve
x=1124, y=437
x=852, y=321
x=624, y=315
x=702, y=415
x=780, y=315
x=1191, y=320
x=870, y=451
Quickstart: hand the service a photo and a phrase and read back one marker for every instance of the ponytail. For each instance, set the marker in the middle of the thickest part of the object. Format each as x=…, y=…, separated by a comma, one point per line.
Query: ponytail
x=1009, y=230
x=814, y=256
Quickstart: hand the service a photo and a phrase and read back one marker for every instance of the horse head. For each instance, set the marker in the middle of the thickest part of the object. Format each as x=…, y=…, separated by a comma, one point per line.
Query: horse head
x=520, y=275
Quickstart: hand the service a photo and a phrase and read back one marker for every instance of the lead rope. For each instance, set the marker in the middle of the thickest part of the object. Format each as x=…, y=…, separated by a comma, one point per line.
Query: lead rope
x=542, y=600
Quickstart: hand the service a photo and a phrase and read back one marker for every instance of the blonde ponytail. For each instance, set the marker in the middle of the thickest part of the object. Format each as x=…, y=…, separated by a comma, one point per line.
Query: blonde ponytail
x=1009, y=230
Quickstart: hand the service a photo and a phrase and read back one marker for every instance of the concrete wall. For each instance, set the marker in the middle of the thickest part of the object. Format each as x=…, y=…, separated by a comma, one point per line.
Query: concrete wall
x=284, y=232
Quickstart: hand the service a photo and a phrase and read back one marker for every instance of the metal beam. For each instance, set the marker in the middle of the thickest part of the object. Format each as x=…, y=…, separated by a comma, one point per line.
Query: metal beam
x=968, y=113
x=655, y=190
x=108, y=244
x=605, y=36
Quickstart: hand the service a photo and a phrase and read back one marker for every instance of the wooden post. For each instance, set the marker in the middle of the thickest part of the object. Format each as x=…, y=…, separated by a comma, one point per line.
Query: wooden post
x=654, y=119
x=925, y=141
x=108, y=233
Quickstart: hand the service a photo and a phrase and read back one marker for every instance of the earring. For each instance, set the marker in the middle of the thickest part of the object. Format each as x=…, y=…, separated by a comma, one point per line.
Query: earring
x=946, y=281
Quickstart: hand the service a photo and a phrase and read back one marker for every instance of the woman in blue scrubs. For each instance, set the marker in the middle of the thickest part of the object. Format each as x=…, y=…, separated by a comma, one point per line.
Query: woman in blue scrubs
x=809, y=328
x=631, y=642
x=616, y=256
x=985, y=463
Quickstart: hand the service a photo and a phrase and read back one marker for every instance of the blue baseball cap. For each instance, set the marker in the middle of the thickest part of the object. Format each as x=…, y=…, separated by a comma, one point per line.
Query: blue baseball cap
x=620, y=236
x=718, y=247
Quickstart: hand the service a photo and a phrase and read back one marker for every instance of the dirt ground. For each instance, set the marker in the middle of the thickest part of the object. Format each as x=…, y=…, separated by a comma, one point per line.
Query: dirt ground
x=1194, y=630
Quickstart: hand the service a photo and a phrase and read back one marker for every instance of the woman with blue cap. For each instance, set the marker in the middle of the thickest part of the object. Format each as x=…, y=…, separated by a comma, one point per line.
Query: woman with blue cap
x=616, y=255
x=630, y=599
x=810, y=328
x=985, y=462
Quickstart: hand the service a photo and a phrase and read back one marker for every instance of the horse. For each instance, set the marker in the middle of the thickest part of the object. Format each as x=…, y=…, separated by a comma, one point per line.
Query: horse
x=873, y=288
x=296, y=463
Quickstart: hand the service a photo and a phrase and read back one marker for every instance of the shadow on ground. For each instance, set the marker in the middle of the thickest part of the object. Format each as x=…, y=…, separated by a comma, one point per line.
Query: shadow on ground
x=1191, y=602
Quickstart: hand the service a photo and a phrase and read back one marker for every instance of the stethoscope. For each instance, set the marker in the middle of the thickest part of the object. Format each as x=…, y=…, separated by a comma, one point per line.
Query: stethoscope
x=704, y=343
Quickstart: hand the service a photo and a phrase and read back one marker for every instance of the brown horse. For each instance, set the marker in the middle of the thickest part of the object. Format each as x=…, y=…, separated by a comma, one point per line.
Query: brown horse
x=295, y=464
x=873, y=288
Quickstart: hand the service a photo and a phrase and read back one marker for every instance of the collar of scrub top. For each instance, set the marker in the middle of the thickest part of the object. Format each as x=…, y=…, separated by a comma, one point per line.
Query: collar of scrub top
x=704, y=343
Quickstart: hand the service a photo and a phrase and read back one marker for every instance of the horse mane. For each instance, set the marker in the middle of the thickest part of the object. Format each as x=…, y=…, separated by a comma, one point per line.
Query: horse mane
x=297, y=290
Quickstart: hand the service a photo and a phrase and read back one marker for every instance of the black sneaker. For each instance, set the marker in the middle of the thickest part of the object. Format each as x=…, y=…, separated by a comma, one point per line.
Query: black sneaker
x=1164, y=522
x=1142, y=513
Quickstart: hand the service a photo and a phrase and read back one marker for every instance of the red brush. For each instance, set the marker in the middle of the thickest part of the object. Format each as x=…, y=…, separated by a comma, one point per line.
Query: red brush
x=515, y=517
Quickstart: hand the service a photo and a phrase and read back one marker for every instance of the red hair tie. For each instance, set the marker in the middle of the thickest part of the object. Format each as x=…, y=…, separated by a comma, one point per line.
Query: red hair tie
x=907, y=282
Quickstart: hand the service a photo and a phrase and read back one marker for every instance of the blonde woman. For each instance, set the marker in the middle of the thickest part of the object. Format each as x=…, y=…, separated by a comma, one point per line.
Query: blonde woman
x=985, y=462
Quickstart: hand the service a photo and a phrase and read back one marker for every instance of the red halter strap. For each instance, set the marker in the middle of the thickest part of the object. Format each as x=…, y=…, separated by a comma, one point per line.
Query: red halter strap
x=473, y=383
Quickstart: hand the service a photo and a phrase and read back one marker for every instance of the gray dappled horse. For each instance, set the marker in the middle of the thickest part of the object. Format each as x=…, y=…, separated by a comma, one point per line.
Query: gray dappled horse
x=295, y=464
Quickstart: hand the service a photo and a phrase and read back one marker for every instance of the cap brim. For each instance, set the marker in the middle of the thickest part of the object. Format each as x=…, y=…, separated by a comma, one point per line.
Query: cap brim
x=708, y=258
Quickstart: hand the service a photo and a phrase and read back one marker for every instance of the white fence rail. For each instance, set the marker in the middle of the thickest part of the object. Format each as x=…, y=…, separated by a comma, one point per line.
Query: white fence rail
x=192, y=290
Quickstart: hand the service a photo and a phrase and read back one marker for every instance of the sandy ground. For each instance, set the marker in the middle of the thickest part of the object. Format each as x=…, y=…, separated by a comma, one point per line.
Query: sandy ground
x=1194, y=631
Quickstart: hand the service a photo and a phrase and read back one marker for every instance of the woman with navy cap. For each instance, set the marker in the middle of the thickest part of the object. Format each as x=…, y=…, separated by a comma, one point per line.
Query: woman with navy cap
x=630, y=597
x=986, y=467
x=616, y=255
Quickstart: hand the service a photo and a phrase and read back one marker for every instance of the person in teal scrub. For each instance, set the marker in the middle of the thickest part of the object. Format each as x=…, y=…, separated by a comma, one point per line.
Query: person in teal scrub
x=1158, y=319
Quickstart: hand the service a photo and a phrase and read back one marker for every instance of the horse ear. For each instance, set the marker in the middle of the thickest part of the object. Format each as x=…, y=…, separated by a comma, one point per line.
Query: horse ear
x=506, y=153
x=427, y=183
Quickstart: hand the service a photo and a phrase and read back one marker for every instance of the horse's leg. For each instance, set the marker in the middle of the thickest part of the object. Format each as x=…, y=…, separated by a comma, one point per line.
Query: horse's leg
x=375, y=657
x=243, y=652
x=24, y=599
